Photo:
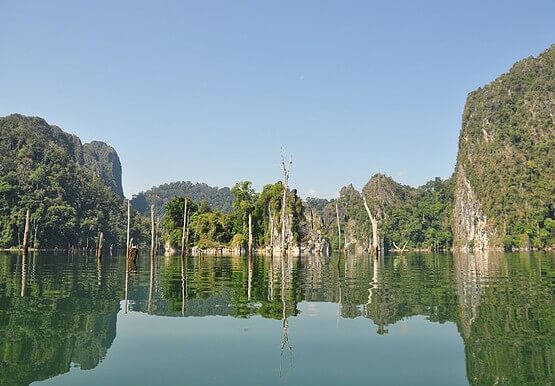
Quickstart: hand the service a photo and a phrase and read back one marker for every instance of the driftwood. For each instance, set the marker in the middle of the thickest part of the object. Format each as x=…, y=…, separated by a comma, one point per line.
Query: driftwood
x=397, y=249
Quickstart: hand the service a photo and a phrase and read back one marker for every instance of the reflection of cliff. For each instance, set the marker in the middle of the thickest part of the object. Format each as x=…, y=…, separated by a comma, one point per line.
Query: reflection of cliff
x=59, y=321
x=507, y=318
x=472, y=273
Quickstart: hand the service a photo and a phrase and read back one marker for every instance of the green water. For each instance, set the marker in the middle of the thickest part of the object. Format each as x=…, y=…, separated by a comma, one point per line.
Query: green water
x=418, y=319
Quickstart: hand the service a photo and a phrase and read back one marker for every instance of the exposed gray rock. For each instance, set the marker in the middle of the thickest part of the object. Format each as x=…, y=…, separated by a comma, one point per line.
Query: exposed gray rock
x=104, y=162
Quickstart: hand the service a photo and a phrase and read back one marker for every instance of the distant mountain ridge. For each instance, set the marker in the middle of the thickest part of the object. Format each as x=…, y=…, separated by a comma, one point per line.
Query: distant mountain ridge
x=217, y=198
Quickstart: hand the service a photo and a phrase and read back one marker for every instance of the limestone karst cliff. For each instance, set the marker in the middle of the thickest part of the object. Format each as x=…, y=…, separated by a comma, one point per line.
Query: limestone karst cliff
x=505, y=173
x=103, y=160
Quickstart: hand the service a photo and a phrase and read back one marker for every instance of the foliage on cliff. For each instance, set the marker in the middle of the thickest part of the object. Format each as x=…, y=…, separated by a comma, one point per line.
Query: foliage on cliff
x=43, y=169
x=421, y=217
x=104, y=161
x=507, y=152
x=211, y=228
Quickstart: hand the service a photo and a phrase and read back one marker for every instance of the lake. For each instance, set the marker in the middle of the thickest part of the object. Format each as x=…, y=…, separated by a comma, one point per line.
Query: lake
x=415, y=319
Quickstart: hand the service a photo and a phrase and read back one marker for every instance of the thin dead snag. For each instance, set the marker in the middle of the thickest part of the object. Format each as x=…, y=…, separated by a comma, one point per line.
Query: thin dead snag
x=374, y=222
x=26, y=233
x=152, y=232
x=286, y=169
x=184, y=231
x=250, y=234
x=338, y=226
x=100, y=246
x=128, y=227
x=271, y=229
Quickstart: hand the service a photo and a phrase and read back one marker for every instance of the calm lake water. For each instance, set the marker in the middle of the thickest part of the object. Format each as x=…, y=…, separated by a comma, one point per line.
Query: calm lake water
x=418, y=319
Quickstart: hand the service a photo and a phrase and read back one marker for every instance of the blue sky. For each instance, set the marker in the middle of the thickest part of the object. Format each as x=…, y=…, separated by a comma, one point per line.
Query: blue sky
x=209, y=91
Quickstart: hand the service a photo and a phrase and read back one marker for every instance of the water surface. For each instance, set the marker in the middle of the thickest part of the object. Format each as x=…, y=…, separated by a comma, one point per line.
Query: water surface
x=419, y=319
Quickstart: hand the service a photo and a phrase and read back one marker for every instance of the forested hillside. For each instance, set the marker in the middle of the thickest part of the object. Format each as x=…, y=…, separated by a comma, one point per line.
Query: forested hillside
x=44, y=169
x=159, y=196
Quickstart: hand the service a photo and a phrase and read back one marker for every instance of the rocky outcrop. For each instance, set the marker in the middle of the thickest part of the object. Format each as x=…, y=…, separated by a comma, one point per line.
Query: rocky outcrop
x=506, y=162
x=104, y=162
x=471, y=228
x=313, y=231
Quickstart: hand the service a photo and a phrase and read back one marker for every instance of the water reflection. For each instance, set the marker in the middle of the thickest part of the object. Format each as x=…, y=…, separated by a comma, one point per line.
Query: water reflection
x=60, y=311
x=53, y=317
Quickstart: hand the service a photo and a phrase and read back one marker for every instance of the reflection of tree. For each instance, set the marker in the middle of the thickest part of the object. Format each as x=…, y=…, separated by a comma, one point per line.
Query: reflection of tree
x=63, y=317
x=410, y=285
x=502, y=305
x=286, y=347
x=201, y=286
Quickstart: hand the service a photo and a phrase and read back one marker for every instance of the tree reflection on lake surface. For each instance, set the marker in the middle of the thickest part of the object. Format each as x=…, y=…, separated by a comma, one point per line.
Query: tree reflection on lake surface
x=403, y=319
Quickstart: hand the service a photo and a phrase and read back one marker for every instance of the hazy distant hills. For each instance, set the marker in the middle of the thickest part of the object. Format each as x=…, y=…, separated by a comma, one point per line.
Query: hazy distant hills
x=217, y=198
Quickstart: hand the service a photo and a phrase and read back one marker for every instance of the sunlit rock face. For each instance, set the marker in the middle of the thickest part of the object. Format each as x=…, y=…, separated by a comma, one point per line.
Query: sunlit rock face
x=104, y=162
x=471, y=228
x=506, y=160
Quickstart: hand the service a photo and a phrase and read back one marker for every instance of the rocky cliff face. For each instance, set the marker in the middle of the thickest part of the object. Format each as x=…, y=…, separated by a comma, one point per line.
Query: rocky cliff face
x=471, y=224
x=506, y=160
x=104, y=162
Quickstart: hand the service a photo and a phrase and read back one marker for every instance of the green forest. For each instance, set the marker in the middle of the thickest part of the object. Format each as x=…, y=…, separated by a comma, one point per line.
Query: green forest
x=43, y=169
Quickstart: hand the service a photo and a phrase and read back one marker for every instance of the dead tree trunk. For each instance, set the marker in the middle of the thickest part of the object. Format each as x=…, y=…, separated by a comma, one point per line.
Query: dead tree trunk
x=250, y=234
x=185, y=230
x=374, y=222
x=133, y=251
x=152, y=232
x=128, y=228
x=338, y=226
x=271, y=230
x=26, y=233
x=36, y=226
x=100, y=245
x=283, y=219
x=286, y=169
x=158, y=234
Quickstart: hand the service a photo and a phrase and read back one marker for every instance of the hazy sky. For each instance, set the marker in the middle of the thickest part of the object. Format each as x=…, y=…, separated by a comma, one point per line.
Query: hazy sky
x=209, y=91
